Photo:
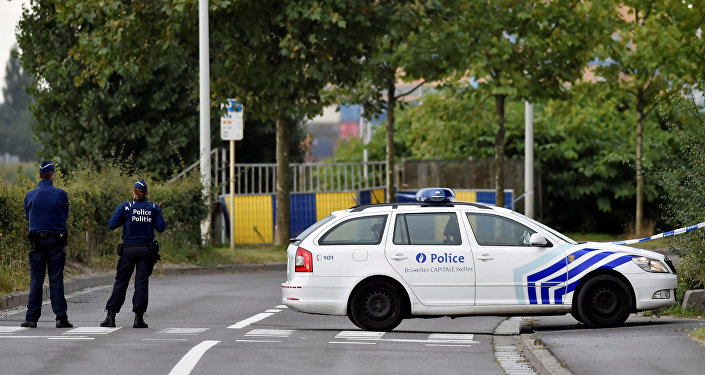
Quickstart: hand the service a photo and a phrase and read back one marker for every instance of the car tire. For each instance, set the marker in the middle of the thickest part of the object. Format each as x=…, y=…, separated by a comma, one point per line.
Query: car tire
x=376, y=306
x=604, y=301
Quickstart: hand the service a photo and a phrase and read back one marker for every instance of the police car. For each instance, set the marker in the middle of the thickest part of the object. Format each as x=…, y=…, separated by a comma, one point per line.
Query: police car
x=379, y=264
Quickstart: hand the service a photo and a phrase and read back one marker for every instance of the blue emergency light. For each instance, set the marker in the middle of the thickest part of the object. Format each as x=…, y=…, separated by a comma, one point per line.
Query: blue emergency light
x=435, y=195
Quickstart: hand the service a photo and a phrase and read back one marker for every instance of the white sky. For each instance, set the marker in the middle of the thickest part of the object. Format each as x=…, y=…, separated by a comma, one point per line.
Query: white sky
x=10, y=13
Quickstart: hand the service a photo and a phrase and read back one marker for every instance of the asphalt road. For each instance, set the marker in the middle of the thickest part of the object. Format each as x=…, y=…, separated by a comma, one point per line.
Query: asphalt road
x=234, y=324
x=644, y=346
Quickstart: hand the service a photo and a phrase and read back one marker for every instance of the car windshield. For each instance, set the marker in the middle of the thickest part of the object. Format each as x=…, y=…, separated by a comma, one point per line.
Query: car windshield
x=301, y=236
x=548, y=229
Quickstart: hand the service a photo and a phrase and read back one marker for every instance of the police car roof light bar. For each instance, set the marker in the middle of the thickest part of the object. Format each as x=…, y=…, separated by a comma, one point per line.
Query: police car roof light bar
x=435, y=195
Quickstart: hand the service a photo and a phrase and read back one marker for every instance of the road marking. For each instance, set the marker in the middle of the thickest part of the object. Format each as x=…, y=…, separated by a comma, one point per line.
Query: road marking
x=12, y=329
x=46, y=337
x=273, y=311
x=182, y=331
x=91, y=331
x=258, y=340
x=164, y=339
x=352, y=342
x=71, y=338
x=359, y=335
x=189, y=361
x=281, y=307
x=270, y=332
x=250, y=320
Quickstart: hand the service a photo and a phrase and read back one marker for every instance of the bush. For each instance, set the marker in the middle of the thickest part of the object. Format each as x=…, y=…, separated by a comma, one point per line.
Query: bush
x=93, y=197
x=684, y=178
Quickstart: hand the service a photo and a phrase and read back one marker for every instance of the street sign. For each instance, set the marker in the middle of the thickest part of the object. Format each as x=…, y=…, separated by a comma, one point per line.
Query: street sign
x=231, y=124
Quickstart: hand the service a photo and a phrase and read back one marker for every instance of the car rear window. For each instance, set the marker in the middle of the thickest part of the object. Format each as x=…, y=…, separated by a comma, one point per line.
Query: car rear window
x=366, y=230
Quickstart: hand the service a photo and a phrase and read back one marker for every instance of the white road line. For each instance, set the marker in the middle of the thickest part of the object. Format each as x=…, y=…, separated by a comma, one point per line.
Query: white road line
x=33, y=337
x=258, y=340
x=353, y=342
x=91, y=331
x=70, y=338
x=359, y=335
x=12, y=329
x=281, y=307
x=182, y=331
x=465, y=346
x=271, y=332
x=273, y=311
x=189, y=361
x=164, y=339
x=250, y=320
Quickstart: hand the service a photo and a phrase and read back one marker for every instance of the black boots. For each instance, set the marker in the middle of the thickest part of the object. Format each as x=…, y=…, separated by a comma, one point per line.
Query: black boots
x=63, y=323
x=139, y=321
x=28, y=324
x=109, y=320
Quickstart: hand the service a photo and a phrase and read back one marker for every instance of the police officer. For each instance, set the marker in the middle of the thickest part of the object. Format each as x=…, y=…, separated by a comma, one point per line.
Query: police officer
x=47, y=208
x=138, y=218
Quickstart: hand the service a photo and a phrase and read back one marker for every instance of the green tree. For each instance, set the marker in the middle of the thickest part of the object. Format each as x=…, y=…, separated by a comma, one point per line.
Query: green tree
x=656, y=51
x=408, y=48
x=15, y=135
x=278, y=57
x=528, y=50
x=112, y=78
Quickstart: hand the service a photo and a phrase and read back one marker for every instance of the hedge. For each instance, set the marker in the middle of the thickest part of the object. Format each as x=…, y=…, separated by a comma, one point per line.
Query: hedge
x=93, y=197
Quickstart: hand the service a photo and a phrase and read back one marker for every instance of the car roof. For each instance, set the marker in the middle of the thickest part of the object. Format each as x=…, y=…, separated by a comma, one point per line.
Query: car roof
x=409, y=206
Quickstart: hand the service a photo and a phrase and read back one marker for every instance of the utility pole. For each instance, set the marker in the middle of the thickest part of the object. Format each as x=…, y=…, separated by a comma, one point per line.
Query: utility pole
x=529, y=159
x=205, y=109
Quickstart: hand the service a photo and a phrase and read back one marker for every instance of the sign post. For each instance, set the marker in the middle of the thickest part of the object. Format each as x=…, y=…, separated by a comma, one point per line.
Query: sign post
x=231, y=129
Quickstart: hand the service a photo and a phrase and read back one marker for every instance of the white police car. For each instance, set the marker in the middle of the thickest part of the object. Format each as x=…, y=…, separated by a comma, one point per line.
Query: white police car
x=379, y=264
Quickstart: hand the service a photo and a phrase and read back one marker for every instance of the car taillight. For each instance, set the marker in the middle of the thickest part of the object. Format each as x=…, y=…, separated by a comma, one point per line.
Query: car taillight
x=303, y=261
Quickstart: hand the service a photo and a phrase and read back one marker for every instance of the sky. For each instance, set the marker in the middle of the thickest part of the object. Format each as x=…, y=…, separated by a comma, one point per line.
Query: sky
x=10, y=13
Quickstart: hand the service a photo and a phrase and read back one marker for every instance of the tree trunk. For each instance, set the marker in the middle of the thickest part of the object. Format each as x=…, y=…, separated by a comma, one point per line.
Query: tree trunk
x=281, y=229
x=499, y=151
x=639, y=165
x=391, y=104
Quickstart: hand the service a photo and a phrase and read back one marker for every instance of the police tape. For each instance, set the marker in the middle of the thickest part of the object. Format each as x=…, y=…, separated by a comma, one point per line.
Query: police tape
x=662, y=235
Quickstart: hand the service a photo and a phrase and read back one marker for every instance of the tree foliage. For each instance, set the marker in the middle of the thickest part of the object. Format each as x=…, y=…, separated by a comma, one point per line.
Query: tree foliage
x=15, y=135
x=655, y=51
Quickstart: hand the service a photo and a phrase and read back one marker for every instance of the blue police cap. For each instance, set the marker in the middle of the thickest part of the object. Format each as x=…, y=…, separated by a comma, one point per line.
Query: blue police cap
x=47, y=166
x=140, y=184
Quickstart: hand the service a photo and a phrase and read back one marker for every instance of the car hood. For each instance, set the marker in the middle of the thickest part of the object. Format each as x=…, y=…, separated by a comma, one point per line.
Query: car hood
x=619, y=248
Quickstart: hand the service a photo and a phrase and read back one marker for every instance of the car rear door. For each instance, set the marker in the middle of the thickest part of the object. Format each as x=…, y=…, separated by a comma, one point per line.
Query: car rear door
x=432, y=254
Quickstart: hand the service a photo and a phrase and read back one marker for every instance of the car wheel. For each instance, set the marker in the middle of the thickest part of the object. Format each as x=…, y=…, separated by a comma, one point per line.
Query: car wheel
x=604, y=301
x=376, y=306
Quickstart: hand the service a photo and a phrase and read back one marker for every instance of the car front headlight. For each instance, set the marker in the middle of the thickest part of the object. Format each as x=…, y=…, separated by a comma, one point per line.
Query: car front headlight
x=650, y=265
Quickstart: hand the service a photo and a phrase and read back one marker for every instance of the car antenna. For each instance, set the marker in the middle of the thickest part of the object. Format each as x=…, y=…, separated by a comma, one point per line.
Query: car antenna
x=373, y=194
x=354, y=200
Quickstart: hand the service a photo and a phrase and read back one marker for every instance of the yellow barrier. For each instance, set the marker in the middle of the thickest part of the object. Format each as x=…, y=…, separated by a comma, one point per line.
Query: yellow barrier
x=253, y=222
x=329, y=202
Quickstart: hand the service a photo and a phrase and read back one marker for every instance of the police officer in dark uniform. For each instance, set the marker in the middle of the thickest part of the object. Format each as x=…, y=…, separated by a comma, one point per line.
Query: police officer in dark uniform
x=47, y=209
x=138, y=218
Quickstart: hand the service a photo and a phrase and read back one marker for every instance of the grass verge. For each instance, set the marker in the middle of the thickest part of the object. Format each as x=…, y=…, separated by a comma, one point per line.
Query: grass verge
x=698, y=335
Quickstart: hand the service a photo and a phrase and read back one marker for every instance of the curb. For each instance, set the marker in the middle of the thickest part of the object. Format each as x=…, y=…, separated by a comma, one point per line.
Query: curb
x=18, y=299
x=541, y=357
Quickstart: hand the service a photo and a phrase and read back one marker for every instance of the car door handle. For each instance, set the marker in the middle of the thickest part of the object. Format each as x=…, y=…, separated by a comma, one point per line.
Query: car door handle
x=485, y=257
x=398, y=257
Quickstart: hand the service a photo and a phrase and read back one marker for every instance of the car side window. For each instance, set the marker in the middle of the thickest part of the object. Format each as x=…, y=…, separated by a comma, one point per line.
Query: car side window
x=427, y=229
x=358, y=231
x=491, y=230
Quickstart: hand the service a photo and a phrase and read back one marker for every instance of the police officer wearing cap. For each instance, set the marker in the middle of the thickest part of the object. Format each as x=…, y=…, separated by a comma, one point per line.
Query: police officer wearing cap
x=138, y=218
x=47, y=208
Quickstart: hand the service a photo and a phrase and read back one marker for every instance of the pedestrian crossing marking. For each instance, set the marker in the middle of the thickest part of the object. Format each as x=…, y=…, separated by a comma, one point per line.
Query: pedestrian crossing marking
x=182, y=331
x=359, y=335
x=11, y=329
x=270, y=333
x=91, y=331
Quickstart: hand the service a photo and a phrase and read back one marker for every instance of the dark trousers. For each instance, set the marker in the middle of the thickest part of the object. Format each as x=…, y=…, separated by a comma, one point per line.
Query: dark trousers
x=132, y=256
x=46, y=253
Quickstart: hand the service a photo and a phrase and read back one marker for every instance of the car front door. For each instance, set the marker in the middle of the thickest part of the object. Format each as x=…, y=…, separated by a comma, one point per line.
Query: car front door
x=429, y=251
x=508, y=270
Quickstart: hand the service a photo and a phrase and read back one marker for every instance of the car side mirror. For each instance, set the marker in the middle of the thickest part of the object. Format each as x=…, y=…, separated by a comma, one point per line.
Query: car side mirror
x=538, y=240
